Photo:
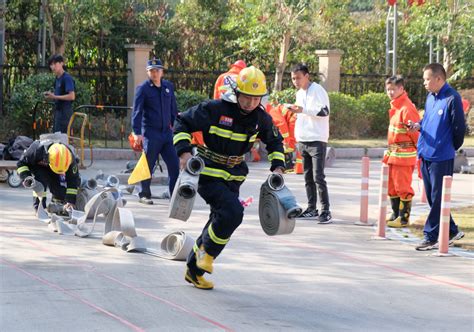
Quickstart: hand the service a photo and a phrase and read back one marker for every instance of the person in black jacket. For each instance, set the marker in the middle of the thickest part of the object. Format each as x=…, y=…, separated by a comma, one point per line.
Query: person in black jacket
x=55, y=167
x=230, y=126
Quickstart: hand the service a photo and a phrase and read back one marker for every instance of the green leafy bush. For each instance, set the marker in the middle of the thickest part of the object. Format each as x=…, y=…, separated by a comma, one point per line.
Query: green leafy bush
x=347, y=119
x=27, y=94
x=187, y=98
x=375, y=107
x=287, y=96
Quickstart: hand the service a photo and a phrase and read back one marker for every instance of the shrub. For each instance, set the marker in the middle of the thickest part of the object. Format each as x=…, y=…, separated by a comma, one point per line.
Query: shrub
x=346, y=119
x=188, y=98
x=25, y=95
x=287, y=96
x=375, y=106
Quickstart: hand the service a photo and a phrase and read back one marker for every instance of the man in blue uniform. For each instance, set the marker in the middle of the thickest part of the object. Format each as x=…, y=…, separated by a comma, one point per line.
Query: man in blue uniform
x=154, y=111
x=441, y=134
x=230, y=126
x=63, y=95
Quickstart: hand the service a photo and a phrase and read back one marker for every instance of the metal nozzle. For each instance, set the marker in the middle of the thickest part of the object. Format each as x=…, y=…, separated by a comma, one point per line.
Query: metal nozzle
x=194, y=165
x=276, y=182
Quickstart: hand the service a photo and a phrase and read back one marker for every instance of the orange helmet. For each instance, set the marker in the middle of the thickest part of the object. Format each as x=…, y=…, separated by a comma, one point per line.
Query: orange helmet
x=60, y=158
x=239, y=64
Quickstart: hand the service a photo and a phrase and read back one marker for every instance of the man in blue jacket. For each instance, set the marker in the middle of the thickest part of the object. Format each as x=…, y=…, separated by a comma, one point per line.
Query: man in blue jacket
x=154, y=112
x=441, y=134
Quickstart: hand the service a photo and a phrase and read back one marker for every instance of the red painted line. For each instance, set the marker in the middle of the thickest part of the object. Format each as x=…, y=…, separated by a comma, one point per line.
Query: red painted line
x=174, y=305
x=90, y=269
x=366, y=261
x=77, y=297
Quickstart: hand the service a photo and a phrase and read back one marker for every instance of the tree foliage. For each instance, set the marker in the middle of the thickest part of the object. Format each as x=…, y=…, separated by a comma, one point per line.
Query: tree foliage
x=272, y=34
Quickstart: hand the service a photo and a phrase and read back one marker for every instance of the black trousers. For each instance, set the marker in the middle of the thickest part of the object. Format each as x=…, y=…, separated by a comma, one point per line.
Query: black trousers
x=49, y=180
x=314, y=158
x=225, y=216
x=61, y=120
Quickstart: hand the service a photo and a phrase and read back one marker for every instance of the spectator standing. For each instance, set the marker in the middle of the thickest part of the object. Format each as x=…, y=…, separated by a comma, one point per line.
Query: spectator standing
x=401, y=153
x=154, y=112
x=63, y=95
x=312, y=134
x=442, y=131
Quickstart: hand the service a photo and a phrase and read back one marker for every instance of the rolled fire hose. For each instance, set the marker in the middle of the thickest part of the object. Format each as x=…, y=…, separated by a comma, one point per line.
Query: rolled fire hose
x=175, y=246
x=277, y=207
x=184, y=193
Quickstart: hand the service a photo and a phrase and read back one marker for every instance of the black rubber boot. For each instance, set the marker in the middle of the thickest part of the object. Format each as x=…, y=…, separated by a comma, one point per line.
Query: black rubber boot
x=395, y=202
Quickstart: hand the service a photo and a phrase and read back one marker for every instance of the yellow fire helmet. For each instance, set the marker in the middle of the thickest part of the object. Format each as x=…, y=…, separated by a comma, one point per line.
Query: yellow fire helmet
x=60, y=158
x=251, y=81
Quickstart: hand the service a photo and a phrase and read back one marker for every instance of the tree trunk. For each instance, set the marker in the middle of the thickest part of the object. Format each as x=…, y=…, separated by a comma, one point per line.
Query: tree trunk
x=280, y=69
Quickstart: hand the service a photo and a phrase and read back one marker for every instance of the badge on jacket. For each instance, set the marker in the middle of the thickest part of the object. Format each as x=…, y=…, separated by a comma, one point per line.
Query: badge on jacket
x=226, y=121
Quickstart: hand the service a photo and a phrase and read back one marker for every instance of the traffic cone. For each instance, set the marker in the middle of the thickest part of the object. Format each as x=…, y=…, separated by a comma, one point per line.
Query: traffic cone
x=298, y=164
x=254, y=151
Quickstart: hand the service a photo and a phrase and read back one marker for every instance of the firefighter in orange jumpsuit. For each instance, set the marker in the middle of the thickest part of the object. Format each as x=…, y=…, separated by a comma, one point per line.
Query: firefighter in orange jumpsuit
x=219, y=89
x=401, y=153
x=285, y=122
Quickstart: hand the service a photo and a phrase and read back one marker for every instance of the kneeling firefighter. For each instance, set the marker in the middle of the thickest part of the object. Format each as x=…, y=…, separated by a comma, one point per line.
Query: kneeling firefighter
x=54, y=166
x=230, y=126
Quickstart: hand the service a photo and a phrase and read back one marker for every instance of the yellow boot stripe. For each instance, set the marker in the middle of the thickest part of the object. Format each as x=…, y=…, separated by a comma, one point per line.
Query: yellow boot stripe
x=216, y=239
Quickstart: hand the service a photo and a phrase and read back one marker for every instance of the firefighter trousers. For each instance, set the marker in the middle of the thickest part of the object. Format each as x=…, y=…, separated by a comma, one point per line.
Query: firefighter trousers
x=399, y=181
x=52, y=181
x=226, y=215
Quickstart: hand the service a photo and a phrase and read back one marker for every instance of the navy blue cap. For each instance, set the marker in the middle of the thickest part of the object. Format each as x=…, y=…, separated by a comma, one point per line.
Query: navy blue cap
x=154, y=64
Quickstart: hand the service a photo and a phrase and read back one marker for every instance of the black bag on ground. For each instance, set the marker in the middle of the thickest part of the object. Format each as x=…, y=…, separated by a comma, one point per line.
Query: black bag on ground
x=15, y=147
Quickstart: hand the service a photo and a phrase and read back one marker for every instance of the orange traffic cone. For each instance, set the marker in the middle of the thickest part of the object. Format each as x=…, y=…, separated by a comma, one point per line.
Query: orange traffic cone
x=298, y=164
x=254, y=151
x=255, y=155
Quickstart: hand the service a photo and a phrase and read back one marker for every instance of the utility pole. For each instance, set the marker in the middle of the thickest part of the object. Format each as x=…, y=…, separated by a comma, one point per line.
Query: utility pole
x=391, y=31
x=2, y=48
x=41, y=53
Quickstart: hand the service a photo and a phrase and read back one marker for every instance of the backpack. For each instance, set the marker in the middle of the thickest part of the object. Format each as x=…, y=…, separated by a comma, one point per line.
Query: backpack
x=15, y=147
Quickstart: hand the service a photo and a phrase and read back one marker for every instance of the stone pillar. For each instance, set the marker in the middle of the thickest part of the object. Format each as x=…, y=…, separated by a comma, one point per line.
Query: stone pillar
x=138, y=55
x=330, y=68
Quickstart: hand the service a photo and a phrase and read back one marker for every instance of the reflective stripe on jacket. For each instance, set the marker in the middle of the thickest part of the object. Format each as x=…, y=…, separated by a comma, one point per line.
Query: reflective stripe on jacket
x=401, y=142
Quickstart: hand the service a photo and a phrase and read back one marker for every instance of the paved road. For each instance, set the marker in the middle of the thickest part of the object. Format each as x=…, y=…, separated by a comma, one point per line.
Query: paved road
x=320, y=278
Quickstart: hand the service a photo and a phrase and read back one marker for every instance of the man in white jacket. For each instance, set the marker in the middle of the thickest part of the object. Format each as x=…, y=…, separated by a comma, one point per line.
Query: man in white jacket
x=312, y=133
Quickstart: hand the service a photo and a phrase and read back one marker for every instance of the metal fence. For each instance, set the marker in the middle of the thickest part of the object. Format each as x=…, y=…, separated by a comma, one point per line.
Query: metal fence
x=108, y=85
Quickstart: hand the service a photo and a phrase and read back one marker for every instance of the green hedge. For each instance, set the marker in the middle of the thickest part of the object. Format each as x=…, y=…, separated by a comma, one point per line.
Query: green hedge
x=375, y=106
x=187, y=98
x=347, y=119
x=25, y=95
x=364, y=117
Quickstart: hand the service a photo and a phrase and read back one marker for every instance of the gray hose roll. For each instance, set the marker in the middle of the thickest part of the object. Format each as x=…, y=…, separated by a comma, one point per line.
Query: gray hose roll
x=184, y=193
x=277, y=207
x=175, y=246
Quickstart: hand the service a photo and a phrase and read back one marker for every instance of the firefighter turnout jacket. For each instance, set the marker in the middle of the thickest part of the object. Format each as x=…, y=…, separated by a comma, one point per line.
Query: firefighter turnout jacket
x=35, y=158
x=285, y=122
x=228, y=134
x=401, y=143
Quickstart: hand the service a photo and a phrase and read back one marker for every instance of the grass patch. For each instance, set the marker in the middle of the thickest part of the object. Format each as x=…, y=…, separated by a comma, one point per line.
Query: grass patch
x=464, y=218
